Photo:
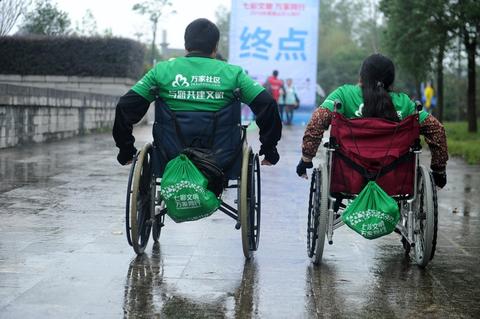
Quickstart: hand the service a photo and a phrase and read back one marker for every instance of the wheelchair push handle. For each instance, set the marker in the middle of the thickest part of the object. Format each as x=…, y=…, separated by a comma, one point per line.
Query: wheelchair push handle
x=154, y=90
x=337, y=105
x=418, y=106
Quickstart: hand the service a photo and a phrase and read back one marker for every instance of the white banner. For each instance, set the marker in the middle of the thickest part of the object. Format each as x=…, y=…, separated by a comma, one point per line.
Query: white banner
x=277, y=35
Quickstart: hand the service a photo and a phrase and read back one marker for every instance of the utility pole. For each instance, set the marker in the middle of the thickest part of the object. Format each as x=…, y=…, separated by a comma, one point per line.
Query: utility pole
x=155, y=22
x=164, y=44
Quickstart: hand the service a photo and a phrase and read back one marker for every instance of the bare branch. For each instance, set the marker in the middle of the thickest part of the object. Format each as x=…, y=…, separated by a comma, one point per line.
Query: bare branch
x=10, y=11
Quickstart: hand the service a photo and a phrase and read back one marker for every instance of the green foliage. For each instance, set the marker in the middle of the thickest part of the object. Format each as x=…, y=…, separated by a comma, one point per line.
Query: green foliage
x=420, y=33
x=408, y=40
x=46, y=19
x=108, y=57
x=455, y=97
x=152, y=8
x=88, y=25
x=461, y=143
x=467, y=14
x=339, y=56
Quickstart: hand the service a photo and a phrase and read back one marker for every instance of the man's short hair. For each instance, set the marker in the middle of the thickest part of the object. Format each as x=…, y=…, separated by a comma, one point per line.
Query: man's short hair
x=275, y=73
x=201, y=35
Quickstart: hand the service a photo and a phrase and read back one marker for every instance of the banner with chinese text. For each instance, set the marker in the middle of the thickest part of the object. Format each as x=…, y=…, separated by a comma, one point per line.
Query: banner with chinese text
x=277, y=35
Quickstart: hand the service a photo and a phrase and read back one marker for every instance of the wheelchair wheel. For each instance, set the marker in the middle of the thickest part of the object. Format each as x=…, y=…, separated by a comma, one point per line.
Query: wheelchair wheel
x=425, y=219
x=317, y=214
x=254, y=194
x=249, y=207
x=139, y=201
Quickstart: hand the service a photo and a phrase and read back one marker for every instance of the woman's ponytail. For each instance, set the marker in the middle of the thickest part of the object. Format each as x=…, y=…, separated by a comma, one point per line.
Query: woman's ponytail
x=377, y=75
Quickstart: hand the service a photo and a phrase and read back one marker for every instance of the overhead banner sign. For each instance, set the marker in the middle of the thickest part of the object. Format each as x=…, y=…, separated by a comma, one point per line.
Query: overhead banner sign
x=277, y=35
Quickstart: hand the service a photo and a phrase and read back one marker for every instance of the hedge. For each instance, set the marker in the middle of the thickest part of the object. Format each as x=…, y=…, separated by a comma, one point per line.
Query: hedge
x=80, y=56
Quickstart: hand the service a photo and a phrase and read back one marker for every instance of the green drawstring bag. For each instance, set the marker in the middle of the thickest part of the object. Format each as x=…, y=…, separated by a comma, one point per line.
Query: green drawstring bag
x=184, y=190
x=373, y=213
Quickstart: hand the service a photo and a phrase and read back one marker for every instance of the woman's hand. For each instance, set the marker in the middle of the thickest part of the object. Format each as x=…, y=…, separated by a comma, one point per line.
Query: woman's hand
x=302, y=167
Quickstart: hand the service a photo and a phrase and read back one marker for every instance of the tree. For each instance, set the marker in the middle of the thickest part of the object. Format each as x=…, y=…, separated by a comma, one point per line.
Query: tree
x=107, y=33
x=370, y=27
x=10, y=12
x=439, y=25
x=46, y=19
x=407, y=39
x=222, y=16
x=467, y=15
x=339, y=55
x=88, y=25
x=152, y=8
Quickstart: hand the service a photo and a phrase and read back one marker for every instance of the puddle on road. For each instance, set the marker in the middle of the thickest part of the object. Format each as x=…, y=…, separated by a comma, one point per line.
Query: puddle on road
x=148, y=294
x=36, y=163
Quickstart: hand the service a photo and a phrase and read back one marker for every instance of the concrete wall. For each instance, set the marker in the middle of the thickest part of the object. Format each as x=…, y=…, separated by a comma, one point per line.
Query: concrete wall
x=29, y=114
x=103, y=85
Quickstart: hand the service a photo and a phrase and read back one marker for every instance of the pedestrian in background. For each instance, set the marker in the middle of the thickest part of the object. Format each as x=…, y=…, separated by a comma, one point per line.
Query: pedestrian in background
x=290, y=100
x=428, y=95
x=274, y=86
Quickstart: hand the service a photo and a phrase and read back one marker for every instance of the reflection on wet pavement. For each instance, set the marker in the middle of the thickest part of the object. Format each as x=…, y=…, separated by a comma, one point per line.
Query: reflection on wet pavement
x=63, y=251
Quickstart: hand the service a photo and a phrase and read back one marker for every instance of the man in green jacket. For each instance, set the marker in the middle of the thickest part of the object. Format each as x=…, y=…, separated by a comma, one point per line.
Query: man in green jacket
x=197, y=82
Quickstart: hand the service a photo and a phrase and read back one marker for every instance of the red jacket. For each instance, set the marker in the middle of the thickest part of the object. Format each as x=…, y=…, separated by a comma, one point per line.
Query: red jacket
x=273, y=86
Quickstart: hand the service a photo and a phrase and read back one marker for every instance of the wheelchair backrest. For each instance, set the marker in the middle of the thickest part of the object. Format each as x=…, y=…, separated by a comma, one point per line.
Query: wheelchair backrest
x=219, y=131
x=373, y=149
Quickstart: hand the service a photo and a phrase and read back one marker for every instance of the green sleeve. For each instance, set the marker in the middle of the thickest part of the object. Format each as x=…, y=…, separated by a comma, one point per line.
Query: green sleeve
x=249, y=88
x=331, y=98
x=143, y=86
x=422, y=115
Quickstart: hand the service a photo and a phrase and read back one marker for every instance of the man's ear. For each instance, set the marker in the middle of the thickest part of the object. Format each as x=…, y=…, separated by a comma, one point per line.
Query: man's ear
x=214, y=53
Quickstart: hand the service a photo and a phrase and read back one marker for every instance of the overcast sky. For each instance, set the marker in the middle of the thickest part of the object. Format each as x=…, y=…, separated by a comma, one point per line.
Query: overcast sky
x=119, y=16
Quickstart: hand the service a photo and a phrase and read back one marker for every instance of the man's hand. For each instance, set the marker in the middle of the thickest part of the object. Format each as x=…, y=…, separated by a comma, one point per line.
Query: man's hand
x=271, y=155
x=440, y=178
x=126, y=157
x=302, y=168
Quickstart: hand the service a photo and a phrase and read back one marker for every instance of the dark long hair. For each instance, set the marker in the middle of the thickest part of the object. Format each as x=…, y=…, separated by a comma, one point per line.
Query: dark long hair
x=376, y=76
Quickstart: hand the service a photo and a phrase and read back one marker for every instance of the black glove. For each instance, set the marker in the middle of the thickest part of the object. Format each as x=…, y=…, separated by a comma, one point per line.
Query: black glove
x=271, y=154
x=124, y=156
x=302, y=167
x=440, y=178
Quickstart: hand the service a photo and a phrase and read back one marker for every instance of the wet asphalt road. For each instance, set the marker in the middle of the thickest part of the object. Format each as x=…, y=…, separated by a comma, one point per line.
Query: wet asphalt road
x=63, y=251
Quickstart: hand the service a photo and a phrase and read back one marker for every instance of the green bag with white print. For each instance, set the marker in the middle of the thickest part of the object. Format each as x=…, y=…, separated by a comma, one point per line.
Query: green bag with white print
x=372, y=213
x=184, y=190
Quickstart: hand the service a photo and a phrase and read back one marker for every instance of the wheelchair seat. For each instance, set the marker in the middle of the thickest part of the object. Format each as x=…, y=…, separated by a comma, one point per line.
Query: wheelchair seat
x=373, y=149
x=219, y=131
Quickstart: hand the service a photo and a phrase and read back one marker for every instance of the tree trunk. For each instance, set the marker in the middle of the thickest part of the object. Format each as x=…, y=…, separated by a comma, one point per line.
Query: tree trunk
x=440, y=55
x=471, y=47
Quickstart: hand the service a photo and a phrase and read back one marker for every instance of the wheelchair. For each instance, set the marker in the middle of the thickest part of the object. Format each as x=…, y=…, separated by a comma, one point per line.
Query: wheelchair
x=360, y=150
x=221, y=132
